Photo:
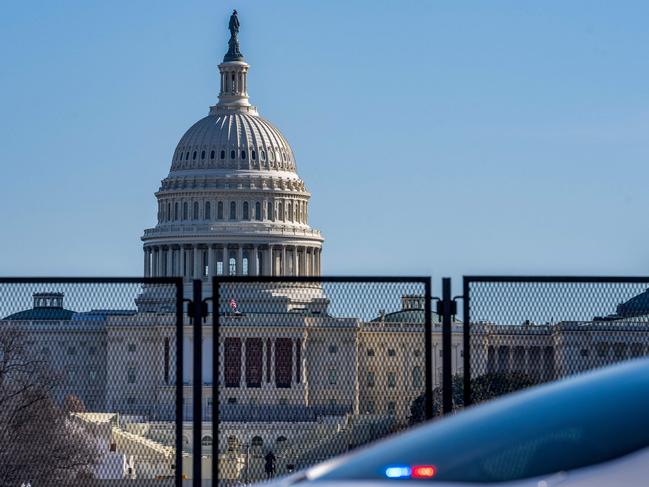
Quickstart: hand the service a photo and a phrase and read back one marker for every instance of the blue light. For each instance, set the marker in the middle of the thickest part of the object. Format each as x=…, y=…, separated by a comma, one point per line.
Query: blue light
x=397, y=472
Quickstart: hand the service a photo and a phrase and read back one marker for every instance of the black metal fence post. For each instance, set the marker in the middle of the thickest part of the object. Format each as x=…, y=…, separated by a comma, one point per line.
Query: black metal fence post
x=216, y=377
x=466, y=339
x=197, y=388
x=447, y=375
x=180, y=325
x=428, y=349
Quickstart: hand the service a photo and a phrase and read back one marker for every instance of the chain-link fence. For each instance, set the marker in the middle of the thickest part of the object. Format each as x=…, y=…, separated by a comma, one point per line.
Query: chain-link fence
x=310, y=368
x=88, y=373
x=523, y=331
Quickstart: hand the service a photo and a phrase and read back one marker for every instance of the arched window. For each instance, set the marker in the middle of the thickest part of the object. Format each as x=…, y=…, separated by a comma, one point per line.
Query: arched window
x=233, y=210
x=212, y=154
x=232, y=266
x=416, y=377
x=185, y=211
x=253, y=154
x=195, y=210
x=203, y=155
x=271, y=216
x=194, y=156
x=180, y=157
x=222, y=154
x=208, y=210
x=271, y=156
x=243, y=154
x=280, y=211
x=289, y=211
x=233, y=154
x=176, y=211
x=168, y=211
x=187, y=156
x=263, y=155
x=206, y=441
x=246, y=211
x=219, y=210
x=258, y=211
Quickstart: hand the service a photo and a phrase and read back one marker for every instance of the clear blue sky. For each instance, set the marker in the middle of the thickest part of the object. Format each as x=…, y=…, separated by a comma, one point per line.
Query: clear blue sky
x=437, y=138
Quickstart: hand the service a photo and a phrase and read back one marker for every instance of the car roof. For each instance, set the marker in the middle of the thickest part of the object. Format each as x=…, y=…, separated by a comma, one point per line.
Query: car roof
x=609, y=389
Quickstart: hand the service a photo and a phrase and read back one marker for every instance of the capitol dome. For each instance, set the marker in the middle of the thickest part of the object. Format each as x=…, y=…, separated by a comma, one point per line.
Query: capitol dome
x=233, y=141
x=232, y=203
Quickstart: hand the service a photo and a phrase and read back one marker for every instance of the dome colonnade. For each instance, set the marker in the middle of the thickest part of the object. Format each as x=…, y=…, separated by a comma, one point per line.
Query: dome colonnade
x=233, y=203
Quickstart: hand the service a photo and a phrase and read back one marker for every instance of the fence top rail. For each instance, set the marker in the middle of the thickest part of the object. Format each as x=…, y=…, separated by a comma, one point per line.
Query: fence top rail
x=558, y=279
x=89, y=280
x=225, y=279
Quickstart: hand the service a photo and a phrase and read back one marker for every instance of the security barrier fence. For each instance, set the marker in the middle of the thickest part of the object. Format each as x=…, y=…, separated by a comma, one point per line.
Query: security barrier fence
x=88, y=382
x=522, y=331
x=313, y=367
x=98, y=377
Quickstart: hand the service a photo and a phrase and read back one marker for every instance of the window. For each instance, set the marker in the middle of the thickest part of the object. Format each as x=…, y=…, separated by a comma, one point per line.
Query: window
x=206, y=441
x=222, y=154
x=233, y=210
x=187, y=156
x=333, y=349
x=176, y=214
x=258, y=211
x=246, y=211
x=130, y=375
x=333, y=376
x=416, y=377
x=219, y=210
x=392, y=352
x=185, y=211
x=131, y=347
x=254, y=362
x=232, y=361
x=280, y=211
x=370, y=352
x=195, y=210
x=168, y=215
x=289, y=212
x=243, y=155
x=203, y=155
x=208, y=210
x=392, y=380
x=392, y=406
x=370, y=379
x=180, y=158
x=212, y=154
x=283, y=362
x=194, y=156
x=253, y=154
x=233, y=154
x=270, y=211
x=232, y=266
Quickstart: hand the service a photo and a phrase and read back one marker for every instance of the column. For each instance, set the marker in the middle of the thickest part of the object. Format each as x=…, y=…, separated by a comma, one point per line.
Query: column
x=307, y=264
x=314, y=266
x=269, y=259
x=197, y=262
x=240, y=260
x=283, y=266
x=211, y=261
x=181, y=261
x=255, y=270
x=147, y=262
x=226, y=261
x=295, y=262
x=170, y=271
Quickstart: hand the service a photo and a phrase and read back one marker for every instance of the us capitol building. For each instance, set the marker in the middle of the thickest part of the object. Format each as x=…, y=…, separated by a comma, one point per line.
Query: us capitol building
x=295, y=379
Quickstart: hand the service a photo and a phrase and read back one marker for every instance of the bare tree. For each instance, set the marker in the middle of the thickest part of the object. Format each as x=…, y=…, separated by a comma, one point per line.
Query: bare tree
x=38, y=440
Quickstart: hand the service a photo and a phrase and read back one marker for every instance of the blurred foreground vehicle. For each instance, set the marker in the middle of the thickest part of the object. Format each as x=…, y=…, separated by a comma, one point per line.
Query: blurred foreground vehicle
x=590, y=430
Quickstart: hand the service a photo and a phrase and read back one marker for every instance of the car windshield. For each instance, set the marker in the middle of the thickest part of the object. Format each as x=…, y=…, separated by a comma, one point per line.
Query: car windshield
x=555, y=428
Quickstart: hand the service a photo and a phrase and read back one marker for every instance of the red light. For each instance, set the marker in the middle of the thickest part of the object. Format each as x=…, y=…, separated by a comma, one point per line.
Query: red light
x=423, y=471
